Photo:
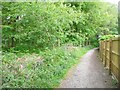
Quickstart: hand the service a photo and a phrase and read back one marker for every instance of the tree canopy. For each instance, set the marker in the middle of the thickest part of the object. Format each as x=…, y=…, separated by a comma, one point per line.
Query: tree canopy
x=49, y=24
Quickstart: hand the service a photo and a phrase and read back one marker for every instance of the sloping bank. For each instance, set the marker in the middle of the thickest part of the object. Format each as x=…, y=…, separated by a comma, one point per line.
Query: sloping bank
x=43, y=70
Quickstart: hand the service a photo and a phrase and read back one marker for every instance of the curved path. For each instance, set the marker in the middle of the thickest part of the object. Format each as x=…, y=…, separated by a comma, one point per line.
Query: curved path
x=89, y=73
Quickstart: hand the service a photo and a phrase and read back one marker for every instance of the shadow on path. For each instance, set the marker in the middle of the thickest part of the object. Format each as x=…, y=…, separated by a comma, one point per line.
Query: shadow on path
x=89, y=73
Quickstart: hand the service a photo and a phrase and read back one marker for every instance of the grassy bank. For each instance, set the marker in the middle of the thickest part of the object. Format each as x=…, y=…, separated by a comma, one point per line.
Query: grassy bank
x=44, y=70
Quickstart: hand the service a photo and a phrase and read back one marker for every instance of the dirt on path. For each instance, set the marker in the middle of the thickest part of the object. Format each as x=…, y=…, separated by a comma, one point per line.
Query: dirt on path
x=89, y=73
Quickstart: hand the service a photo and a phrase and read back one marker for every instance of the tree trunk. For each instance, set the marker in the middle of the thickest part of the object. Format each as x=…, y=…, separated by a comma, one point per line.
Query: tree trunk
x=12, y=42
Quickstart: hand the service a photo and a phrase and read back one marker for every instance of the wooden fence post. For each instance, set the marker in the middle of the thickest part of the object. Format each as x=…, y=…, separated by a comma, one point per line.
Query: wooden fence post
x=110, y=54
x=119, y=60
x=100, y=48
x=102, y=51
x=105, y=52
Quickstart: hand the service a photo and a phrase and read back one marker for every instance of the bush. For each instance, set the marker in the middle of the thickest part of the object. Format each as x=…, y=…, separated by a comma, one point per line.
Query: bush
x=106, y=37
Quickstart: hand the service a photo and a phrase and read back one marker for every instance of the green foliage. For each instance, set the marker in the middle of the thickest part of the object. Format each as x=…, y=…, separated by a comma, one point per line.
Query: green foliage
x=95, y=42
x=49, y=24
x=43, y=71
x=106, y=37
x=37, y=25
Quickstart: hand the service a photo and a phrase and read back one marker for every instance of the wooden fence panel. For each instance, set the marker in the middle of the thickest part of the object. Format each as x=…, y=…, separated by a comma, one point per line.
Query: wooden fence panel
x=110, y=56
x=114, y=58
x=107, y=53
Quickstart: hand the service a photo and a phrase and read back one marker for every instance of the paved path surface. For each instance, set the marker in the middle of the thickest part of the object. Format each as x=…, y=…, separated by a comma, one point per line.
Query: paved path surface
x=89, y=73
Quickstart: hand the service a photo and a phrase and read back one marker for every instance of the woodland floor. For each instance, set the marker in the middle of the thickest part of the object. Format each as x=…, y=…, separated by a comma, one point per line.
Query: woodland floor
x=89, y=73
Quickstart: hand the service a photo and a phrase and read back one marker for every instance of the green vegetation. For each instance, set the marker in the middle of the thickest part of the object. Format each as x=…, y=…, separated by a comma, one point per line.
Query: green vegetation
x=106, y=37
x=43, y=70
x=48, y=25
x=42, y=40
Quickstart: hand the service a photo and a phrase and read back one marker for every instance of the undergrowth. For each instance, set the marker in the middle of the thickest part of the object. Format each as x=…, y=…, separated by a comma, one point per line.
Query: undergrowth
x=42, y=70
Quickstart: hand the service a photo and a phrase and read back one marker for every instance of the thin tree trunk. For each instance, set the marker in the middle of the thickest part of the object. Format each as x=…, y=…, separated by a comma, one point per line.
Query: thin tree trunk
x=12, y=42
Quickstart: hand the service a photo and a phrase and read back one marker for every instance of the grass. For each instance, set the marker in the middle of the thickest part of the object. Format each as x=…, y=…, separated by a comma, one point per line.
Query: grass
x=114, y=82
x=43, y=70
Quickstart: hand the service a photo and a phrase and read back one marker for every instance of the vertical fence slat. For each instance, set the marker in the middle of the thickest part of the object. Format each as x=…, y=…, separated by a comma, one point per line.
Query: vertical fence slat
x=105, y=53
x=110, y=52
x=119, y=60
x=102, y=51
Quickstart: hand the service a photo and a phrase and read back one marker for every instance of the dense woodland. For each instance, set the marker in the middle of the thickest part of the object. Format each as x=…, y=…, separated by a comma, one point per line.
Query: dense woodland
x=36, y=35
x=46, y=25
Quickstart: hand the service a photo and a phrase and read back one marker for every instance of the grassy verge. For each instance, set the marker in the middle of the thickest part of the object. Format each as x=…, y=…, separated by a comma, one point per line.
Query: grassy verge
x=43, y=70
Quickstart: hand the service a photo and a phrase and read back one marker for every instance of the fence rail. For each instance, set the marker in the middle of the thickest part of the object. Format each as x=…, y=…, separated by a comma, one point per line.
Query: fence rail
x=110, y=56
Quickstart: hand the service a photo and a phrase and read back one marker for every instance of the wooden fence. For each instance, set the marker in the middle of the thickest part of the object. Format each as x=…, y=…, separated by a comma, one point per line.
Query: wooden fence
x=110, y=56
